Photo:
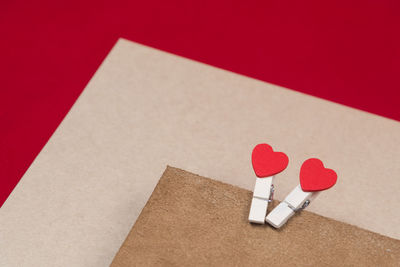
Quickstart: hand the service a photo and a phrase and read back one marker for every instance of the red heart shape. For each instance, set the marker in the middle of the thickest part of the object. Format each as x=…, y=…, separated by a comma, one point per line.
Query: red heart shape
x=315, y=177
x=266, y=162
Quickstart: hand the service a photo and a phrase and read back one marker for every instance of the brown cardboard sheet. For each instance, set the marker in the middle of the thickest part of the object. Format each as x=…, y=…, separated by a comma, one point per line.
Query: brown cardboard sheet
x=144, y=109
x=190, y=220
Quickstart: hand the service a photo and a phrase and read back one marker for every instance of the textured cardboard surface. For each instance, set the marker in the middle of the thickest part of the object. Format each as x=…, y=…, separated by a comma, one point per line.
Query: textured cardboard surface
x=194, y=221
x=145, y=109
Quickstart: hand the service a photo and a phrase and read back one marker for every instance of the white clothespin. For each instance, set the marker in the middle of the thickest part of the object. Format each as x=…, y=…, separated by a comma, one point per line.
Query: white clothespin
x=314, y=177
x=266, y=164
x=262, y=195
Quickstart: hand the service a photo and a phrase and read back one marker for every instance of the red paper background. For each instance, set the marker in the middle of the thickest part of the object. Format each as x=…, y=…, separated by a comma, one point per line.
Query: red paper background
x=344, y=51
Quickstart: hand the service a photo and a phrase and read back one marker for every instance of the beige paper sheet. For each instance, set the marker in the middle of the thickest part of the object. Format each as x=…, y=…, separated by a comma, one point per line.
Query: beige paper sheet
x=145, y=109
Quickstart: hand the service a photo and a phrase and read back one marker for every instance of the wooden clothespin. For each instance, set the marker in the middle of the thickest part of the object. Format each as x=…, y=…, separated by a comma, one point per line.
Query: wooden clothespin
x=314, y=177
x=266, y=164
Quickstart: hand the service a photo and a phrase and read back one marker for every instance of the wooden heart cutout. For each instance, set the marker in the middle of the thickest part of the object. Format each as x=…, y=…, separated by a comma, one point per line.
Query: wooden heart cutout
x=266, y=162
x=315, y=177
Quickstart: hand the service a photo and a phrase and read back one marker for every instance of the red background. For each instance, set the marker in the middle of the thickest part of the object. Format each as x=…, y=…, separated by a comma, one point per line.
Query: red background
x=344, y=51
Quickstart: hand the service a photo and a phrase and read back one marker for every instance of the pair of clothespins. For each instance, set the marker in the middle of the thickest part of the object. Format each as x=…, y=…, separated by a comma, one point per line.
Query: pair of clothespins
x=314, y=177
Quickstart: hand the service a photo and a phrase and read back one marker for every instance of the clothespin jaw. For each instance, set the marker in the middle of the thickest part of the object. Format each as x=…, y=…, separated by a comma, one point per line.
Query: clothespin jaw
x=295, y=201
x=314, y=177
x=266, y=164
